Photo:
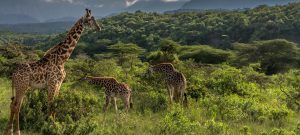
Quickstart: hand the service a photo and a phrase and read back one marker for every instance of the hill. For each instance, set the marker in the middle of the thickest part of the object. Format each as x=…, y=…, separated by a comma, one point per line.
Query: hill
x=232, y=4
x=17, y=19
x=43, y=28
x=63, y=19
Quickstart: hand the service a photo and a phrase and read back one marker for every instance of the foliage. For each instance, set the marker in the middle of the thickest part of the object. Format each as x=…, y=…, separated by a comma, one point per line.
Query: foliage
x=274, y=56
x=205, y=54
x=176, y=122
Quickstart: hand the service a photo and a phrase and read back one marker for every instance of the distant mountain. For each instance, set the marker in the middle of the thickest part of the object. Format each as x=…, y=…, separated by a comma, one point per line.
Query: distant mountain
x=154, y=6
x=48, y=9
x=63, y=19
x=231, y=4
x=43, y=28
x=16, y=19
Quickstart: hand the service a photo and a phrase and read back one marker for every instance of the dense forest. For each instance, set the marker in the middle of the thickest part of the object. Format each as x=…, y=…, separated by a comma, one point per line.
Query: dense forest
x=242, y=71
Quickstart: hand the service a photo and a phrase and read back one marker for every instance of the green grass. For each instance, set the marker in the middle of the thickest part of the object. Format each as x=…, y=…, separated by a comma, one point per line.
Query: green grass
x=145, y=123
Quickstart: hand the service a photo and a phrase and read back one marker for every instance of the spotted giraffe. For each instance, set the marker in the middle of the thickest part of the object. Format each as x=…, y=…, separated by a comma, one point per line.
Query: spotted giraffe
x=175, y=81
x=113, y=89
x=48, y=72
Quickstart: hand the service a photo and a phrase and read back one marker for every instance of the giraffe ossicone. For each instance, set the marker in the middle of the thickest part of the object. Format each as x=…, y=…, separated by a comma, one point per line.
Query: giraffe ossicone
x=48, y=72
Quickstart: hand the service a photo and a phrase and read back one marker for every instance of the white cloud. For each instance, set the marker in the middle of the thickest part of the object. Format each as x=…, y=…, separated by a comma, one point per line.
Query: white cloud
x=170, y=0
x=69, y=1
x=130, y=2
x=100, y=6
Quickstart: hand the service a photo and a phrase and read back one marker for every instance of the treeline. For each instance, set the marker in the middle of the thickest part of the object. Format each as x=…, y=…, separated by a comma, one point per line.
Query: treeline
x=215, y=28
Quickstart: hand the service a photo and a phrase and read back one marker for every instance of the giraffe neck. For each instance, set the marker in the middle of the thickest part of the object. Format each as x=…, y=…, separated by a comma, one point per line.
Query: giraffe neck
x=61, y=52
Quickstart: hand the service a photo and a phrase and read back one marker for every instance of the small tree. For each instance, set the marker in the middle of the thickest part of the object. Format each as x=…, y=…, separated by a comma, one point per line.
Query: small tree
x=127, y=54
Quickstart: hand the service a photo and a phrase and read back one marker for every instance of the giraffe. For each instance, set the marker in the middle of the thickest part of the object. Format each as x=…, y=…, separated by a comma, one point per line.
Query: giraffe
x=48, y=72
x=113, y=89
x=175, y=81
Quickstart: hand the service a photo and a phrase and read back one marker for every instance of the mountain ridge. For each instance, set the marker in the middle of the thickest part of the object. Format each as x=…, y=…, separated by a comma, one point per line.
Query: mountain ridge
x=232, y=4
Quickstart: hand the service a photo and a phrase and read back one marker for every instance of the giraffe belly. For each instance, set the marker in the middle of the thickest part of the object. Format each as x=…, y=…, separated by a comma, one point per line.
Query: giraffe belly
x=38, y=85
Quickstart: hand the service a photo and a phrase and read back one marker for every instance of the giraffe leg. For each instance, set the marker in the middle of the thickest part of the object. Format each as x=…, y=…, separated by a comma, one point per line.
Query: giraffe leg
x=107, y=100
x=53, y=91
x=12, y=114
x=170, y=90
x=126, y=101
x=176, y=95
x=115, y=104
x=17, y=112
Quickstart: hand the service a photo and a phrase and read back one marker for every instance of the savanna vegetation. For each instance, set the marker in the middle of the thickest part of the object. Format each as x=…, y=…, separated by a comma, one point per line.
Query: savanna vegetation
x=242, y=69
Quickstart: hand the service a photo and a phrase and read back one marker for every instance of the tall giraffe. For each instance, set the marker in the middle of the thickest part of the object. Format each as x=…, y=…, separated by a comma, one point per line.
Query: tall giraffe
x=48, y=72
x=175, y=81
x=113, y=89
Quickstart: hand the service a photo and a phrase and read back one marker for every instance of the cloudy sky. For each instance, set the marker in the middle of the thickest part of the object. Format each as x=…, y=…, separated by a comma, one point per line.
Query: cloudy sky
x=53, y=9
x=48, y=9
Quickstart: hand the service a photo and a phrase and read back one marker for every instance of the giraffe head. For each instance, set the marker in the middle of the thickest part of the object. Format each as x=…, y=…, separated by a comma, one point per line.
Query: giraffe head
x=162, y=68
x=90, y=20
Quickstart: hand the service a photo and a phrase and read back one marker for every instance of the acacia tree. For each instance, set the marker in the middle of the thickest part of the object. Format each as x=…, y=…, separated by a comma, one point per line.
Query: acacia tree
x=274, y=56
x=127, y=54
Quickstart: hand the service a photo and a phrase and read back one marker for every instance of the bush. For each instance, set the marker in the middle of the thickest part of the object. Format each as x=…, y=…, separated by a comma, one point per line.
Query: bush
x=206, y=54
x=82, y=127
x=228, y=81
x=277, y=131
x=153, y=101
x=279, y=116
x=70, y=107
x=228, y=108
x=176, y=122
x=215, y=128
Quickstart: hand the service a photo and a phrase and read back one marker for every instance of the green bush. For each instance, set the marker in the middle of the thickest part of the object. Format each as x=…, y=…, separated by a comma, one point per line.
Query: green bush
x=176, y=123
x=153, y=101
x=228, y=80
x=206, y=54
x=215, y=128
x=277, y=131
x=279, y=116
x=70, y=106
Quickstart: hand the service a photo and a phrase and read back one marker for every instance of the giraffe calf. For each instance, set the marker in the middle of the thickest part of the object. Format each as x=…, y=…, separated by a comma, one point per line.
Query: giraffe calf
x=113, y=89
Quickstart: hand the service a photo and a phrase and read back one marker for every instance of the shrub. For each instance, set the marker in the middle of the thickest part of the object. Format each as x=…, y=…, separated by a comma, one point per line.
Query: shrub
x=74, y=104
x=245, y=131
x=228, y=81
x=176, y=122
x=206, y=54
x=215, y=128
x=153, y=101
x=279, y=116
